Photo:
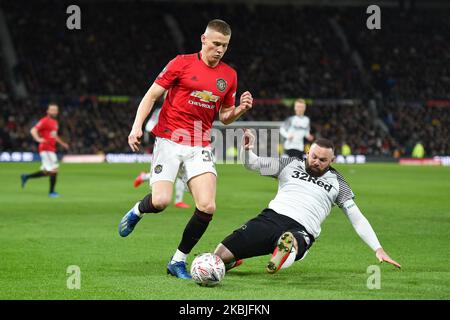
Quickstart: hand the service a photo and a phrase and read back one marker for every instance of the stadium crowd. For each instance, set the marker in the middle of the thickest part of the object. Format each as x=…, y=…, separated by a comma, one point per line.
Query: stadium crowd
x=409, y=57
x=121, y=48
x=120, y=51
x=90, y=127
x=94, y=127
x=410, y=124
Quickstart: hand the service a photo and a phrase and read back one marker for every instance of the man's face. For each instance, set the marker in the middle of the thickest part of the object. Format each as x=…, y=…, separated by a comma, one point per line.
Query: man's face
x=52, y=111
x=318, y=160
x=214, y=46
x=300, y=108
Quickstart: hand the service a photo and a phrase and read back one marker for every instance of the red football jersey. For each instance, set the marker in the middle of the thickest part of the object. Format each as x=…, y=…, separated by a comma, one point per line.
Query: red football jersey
x=195, y=93
x=47, y=128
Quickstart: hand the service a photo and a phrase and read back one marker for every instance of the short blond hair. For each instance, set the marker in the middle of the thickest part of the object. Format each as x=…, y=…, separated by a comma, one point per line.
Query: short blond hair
x=219, y=26
x=301, y=100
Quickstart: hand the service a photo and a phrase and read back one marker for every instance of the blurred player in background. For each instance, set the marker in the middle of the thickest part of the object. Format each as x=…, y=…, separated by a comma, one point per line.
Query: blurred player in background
x=45, y=132
x=295, y=129
x=180, y=186
x=287, y=228
x=199, y=87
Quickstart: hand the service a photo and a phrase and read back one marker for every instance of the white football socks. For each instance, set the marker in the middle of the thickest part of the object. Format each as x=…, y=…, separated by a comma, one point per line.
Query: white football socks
x=179, y=190
x=179, y=256
x=136, y=210
x=290, y=260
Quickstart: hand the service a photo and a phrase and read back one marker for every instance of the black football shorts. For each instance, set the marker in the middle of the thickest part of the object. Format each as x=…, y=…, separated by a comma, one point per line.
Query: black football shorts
x=259, y=236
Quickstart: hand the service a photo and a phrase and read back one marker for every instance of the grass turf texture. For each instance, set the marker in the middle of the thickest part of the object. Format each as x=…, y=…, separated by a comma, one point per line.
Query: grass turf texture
x=409, y=208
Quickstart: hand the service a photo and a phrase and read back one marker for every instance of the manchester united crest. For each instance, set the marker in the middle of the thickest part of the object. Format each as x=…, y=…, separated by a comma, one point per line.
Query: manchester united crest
x=221, y=84
x=158, y=168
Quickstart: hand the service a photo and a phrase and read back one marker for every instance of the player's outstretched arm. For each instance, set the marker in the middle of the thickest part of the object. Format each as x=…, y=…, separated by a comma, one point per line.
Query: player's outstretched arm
x=384, y=257
x=266, y=166
x=146, y=105
x=366, y=232
x=229, y=114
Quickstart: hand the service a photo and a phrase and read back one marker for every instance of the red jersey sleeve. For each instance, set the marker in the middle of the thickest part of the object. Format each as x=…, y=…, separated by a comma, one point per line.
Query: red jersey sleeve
x=41, y=124
x=169, y=75
x=230, y=97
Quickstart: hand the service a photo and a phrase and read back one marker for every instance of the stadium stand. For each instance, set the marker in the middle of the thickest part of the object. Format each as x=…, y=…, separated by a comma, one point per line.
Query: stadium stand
x=296, y=52
x=409, y=57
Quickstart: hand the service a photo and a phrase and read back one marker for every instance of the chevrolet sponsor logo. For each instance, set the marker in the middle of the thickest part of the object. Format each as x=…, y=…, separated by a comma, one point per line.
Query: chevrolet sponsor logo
x=205, y=96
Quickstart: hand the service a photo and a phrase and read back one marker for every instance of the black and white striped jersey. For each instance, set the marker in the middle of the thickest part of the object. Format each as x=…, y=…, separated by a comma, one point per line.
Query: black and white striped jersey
x=300, y=196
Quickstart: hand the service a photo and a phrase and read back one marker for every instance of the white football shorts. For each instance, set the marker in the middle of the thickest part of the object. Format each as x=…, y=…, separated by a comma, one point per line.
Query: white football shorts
x=169, y=156
x=49, y=161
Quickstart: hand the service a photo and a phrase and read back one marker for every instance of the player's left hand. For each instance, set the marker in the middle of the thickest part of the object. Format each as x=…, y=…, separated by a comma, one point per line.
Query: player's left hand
x=134, y=139
x=246, y=101
x=65, y=146
x=248, y=140
x=384, y=257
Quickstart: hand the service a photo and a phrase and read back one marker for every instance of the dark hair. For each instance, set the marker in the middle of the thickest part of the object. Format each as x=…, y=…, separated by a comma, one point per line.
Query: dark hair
x=219, y=26
x=324, y=143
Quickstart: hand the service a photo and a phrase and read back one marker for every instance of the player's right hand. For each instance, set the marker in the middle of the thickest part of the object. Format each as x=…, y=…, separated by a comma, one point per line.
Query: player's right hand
x=134, y=139
x=248, y=140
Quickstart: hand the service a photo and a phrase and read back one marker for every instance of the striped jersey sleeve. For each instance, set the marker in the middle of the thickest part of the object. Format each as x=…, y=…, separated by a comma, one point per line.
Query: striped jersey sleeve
x=345, y=192
x=273, y=166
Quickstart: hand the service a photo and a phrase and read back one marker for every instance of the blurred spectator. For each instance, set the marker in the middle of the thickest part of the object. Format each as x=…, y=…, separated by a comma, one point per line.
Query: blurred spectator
x=345, y=149
x=418, y=151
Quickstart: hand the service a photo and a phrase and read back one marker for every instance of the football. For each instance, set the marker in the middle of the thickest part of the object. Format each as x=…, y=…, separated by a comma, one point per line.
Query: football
x=207, y=270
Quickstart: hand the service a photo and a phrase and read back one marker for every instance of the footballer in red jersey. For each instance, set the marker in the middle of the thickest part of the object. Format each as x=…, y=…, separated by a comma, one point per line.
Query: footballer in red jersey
x=45, y=132
x=180, y=186
x=198, y=87
x=195, y=93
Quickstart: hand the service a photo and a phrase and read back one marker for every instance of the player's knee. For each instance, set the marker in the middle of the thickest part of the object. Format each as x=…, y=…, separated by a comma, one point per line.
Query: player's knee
x=224, y=253
x=160, y=202
x=207, y=206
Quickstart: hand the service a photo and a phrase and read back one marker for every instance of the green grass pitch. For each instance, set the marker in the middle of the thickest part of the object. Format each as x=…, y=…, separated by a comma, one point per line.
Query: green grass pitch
x=409, y=208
